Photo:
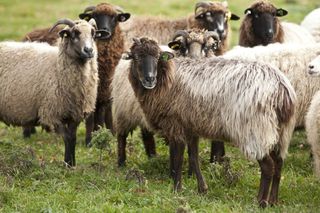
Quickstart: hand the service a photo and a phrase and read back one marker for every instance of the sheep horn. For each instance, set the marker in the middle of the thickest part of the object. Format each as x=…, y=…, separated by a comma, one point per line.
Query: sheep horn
x=215, y=37
x=179, y=33
x=200, y=6
x=136, y=41
x=89, y=9
x=68, y=22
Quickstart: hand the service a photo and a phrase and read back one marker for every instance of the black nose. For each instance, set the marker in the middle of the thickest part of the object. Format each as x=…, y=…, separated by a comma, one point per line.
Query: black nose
x=88, y=50
x=311, y=66
x=150, y=79
x=269, y=34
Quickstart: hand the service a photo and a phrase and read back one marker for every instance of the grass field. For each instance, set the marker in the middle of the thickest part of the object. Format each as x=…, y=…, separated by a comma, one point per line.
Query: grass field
x=33, y=178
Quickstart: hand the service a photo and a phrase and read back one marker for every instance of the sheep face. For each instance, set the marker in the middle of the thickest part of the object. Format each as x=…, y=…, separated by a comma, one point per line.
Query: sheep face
x=264, y=21
x=314, y=67
x=107, y=18
x=194, y=43
x=78, y=41
x=214, y=16
x=145, y=55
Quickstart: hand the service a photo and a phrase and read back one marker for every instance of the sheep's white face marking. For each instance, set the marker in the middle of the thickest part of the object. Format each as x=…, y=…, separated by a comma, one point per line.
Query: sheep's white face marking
x=314, y=67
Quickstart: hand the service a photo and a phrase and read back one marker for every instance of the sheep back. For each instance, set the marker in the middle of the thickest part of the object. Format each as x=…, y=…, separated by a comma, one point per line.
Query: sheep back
x=312, y=23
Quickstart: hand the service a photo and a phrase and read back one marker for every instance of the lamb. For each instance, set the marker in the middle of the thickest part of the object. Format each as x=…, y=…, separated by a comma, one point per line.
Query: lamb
x=189, y=98
x=55, y=87
x=126, y=110
x=312, y=23
x=110, y=48
x=261, y=26
x=312, y=118
x=212, y=16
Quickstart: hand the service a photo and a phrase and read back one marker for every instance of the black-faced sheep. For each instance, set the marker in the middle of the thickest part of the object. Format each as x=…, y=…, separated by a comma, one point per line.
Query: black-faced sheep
x=312, y=23
x=211, y=16
x=261, y=26
x=110, y=45
x=126, y=111
x=55, y=87
x=313, y=118
x=213, y=98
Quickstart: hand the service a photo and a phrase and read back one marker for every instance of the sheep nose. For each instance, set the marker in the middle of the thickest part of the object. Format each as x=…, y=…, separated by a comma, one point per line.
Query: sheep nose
x=150, y=79
x=88, y=50
x=311, y=66
x=270, y=33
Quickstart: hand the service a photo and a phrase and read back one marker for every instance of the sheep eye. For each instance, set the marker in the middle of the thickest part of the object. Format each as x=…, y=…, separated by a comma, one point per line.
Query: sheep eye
x=256, y=15
x=208, y=14
x=92, y=33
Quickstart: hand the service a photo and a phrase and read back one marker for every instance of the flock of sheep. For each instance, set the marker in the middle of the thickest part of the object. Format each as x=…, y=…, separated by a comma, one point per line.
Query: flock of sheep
x=117, y=71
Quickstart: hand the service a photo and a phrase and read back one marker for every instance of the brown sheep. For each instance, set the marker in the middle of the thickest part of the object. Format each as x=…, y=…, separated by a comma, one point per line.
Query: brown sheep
x=177, y=100
x=211, y=16
x=261, y=25
x=110, y=47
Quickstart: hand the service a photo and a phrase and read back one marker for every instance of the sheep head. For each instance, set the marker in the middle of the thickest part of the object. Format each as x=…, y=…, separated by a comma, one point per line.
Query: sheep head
x=263, y=17
x=146, y=56
x=314, y=67
x=77, y=38
x=214, y=16
x=195, y=43
x=107, y=17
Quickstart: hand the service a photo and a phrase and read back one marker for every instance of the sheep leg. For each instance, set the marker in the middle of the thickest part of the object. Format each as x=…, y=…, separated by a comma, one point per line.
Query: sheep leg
x=193, y=146
x=267, y=171
x=148, y=141
x=217, y=151
x=278, y=162
x=172, y=150
x=177, y=164
x=122, y=142
x=108, y=116
x=190, y=169
x=28, y=131
x=98, y=117
x=70, y=137
x=89, y=128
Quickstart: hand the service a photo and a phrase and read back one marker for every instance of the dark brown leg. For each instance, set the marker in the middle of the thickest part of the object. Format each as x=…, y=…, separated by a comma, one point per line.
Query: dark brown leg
x=278, y=162
x=172, y=149
x=177, y=165
x=89, y=128
x=190, y=166
x=108, y=116
x=28, y=131
x=267, y=171
x=148, y=141
x=122, y=142
x=70, y=137
x=98, y=117
x=193, y=146
x=217, y=151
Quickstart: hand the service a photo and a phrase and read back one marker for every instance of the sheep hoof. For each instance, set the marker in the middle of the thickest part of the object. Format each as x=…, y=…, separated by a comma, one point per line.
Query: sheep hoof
x=121, y=163
x=263, y=204
x=203, y=189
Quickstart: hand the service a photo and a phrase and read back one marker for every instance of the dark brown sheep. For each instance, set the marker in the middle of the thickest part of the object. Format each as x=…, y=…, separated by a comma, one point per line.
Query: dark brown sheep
x=177, y=102
x=261, y=25
x=110, y=47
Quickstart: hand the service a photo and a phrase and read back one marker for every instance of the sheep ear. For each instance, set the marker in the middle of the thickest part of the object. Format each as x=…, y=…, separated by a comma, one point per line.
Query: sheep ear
x=281, y=12
x=166, y=56
x=234, y=17
x=85, y=16
x=64, y=33
x=200, y=16
x=248, y=11
x=122, y=17
x=175, y=45
x=127, y=56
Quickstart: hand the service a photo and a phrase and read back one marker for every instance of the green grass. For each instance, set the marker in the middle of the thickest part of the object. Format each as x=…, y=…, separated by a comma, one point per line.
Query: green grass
x=34, y=179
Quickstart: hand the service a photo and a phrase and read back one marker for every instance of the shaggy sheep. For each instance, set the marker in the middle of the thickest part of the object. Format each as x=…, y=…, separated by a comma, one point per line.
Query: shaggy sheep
x=110, y=48
x=261, y=26
x=51, y=86
x=312, y=23
x=312, y=118
x=215, y=98
x=212, y=16
x=126, y=110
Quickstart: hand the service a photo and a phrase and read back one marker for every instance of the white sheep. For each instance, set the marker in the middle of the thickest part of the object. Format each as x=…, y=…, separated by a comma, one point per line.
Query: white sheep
x=55, y=87
x=312, y=23
x=313, y=118
x=294, y=33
